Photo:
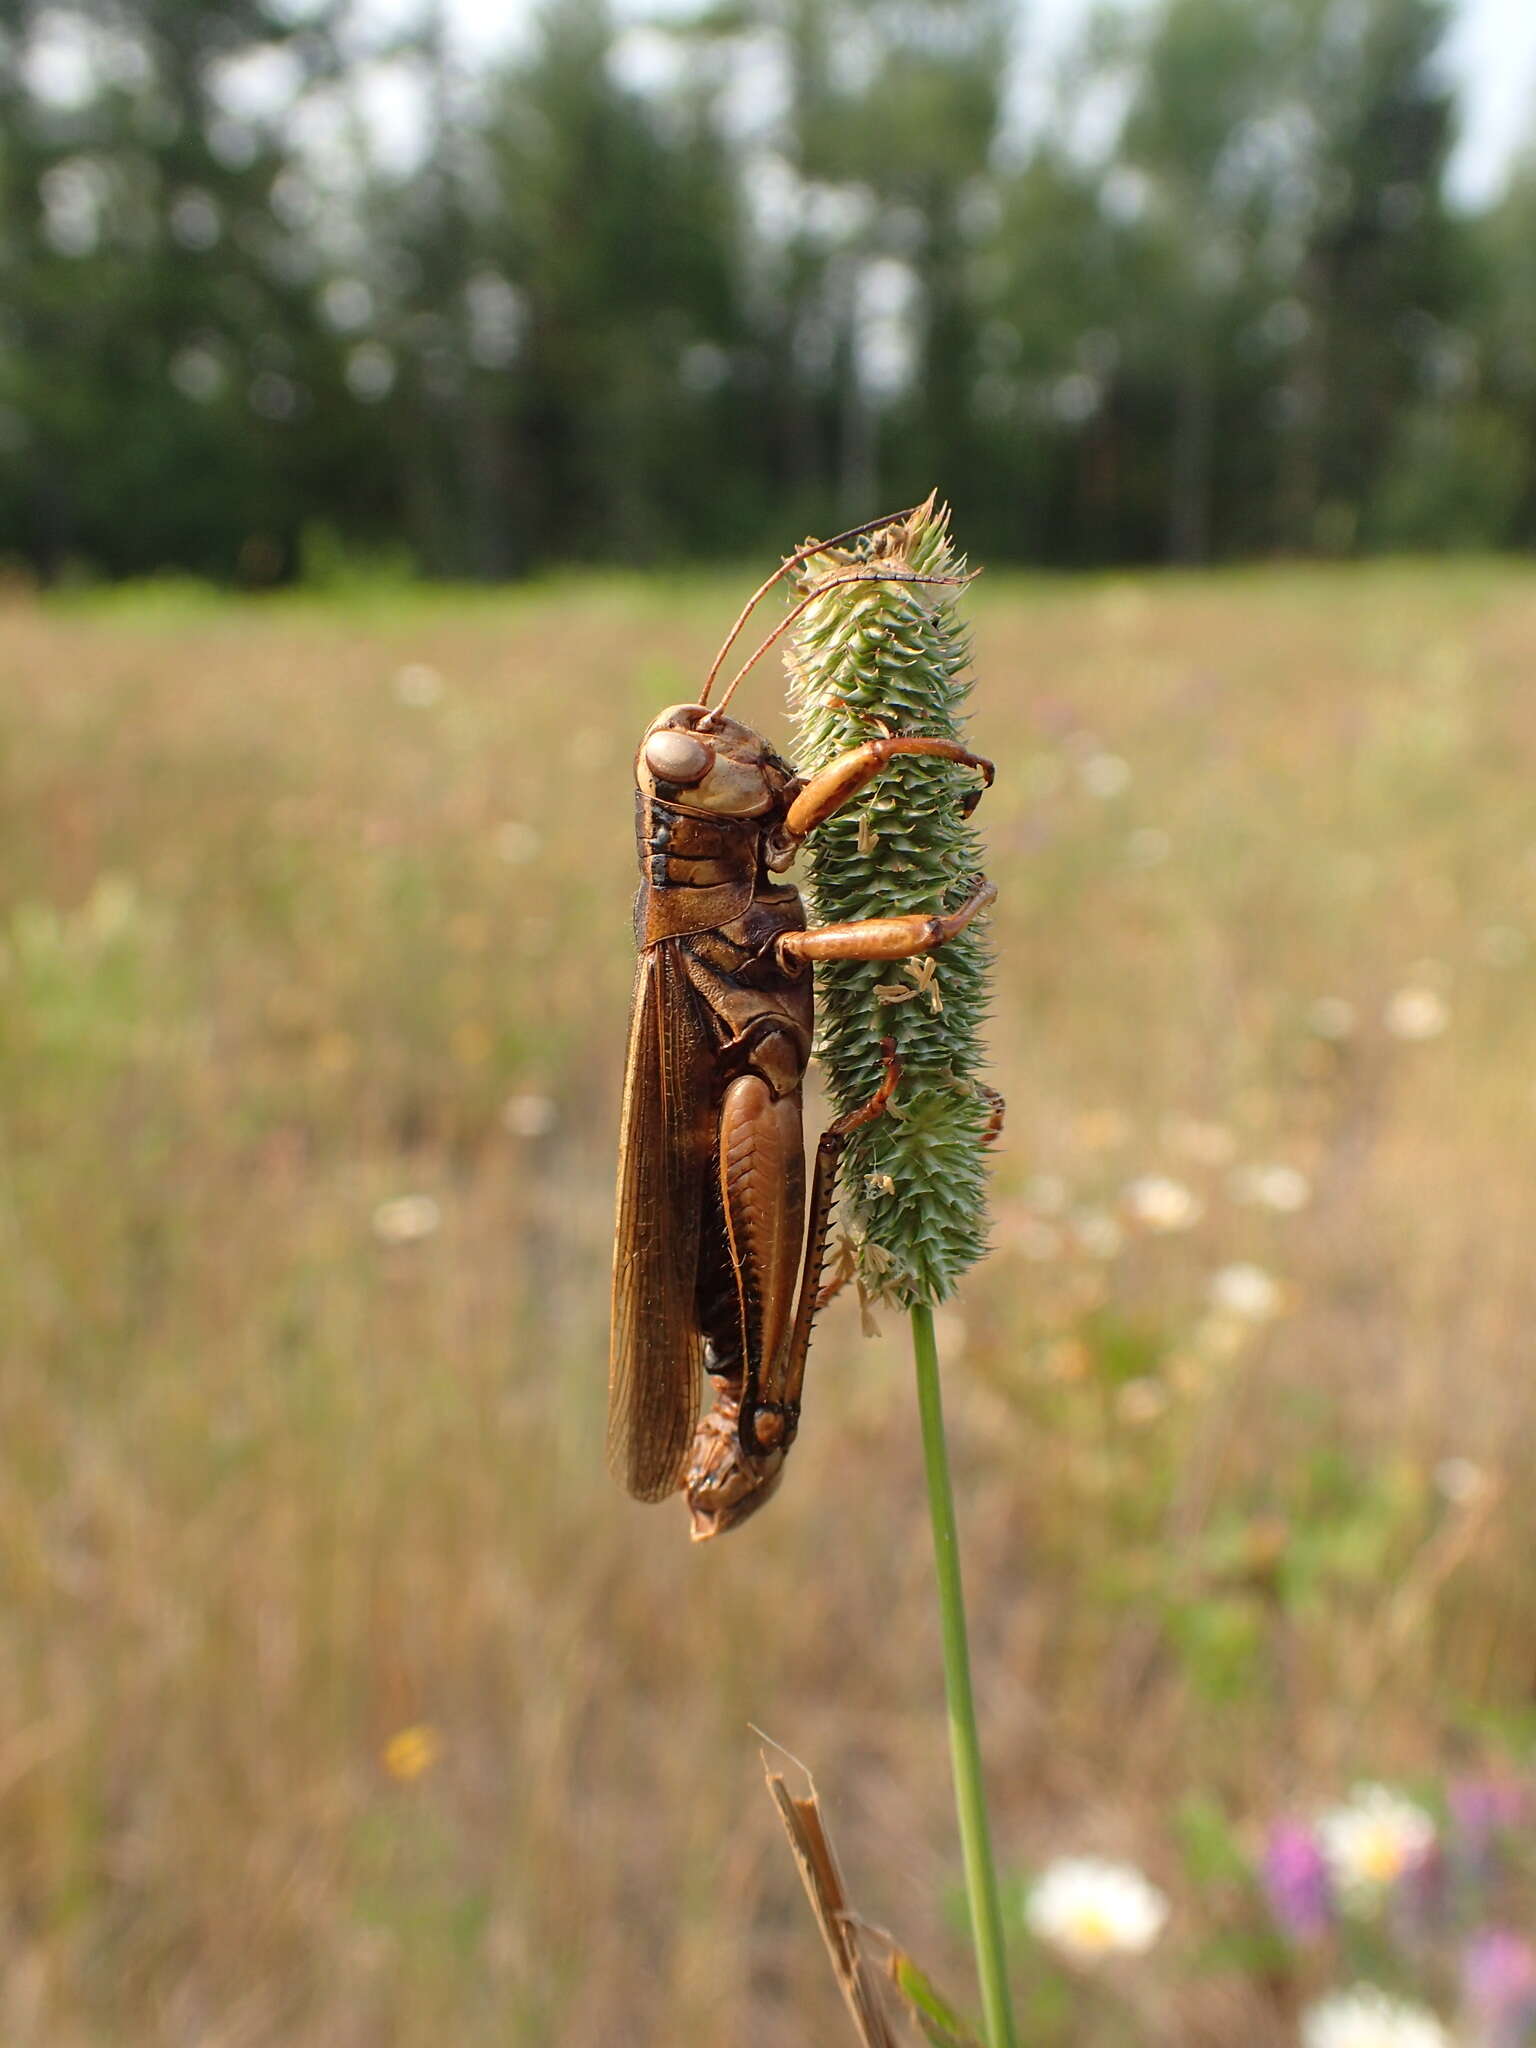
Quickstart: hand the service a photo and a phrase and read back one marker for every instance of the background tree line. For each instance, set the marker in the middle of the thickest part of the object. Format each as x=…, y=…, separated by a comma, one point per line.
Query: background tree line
x=1216, y=304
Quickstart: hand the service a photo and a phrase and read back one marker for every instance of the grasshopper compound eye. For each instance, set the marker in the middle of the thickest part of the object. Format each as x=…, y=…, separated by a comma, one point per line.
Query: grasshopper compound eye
x=678, y=758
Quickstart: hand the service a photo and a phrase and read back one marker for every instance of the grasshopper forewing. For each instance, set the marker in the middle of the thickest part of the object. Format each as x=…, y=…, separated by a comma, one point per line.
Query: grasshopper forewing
x=657, y=1357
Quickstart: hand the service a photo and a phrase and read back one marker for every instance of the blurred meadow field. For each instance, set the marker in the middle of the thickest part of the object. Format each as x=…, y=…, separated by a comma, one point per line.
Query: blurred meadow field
x=344, y=1701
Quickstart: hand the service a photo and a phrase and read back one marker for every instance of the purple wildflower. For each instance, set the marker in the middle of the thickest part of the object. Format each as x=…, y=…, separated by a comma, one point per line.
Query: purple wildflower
x=1295, y=1877
x=1482, y=1809
x=1419, y=1898
x=1498, y=1972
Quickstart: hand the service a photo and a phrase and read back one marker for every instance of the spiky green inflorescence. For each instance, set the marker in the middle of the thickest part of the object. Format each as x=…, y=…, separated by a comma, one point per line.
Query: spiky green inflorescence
x=866, y=658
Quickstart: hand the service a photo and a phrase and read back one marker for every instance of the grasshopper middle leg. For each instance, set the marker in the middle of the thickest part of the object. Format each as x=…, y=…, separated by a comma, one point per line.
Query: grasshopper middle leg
x=885, y=938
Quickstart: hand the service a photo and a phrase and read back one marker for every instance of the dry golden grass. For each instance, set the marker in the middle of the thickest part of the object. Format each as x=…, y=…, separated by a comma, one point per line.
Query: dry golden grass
x=342, y=1700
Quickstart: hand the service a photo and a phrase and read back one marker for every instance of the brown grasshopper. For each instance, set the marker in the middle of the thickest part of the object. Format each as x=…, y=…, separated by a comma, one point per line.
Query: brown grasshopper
x=717, y=1266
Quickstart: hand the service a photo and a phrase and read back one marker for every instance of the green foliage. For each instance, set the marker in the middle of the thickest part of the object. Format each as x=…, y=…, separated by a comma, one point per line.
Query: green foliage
x=590, y=319
x=937, y=2020
x=1221, y=1640
x=1454, y=478
x=1213, y=1856
x=78, y=989
x=169, y=394
x=891, y=656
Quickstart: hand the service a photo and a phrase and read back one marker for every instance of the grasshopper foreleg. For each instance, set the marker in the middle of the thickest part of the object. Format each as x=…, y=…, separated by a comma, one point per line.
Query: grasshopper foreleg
x=842, y=780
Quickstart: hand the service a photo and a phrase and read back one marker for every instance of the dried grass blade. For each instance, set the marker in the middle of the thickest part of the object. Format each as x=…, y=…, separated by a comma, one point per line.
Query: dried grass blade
x=823, y=1881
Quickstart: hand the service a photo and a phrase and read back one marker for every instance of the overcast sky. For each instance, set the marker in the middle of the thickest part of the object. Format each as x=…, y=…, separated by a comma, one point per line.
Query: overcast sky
x=1492, y=53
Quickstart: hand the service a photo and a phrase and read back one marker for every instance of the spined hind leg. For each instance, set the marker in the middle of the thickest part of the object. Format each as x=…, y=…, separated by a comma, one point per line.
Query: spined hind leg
x=760, y=1169
x=732, y=1469
x=773, y=1407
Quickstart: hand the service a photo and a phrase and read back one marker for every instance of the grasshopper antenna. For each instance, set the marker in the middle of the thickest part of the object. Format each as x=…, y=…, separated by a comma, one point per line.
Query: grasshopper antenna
x=804, y=554
x=871, y=575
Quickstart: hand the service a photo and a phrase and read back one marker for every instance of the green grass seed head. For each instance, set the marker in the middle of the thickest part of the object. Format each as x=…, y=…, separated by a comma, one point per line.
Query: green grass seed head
x=892, y=656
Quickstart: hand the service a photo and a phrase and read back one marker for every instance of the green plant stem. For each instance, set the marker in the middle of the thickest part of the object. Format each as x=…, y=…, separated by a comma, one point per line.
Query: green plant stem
x=965, y=1748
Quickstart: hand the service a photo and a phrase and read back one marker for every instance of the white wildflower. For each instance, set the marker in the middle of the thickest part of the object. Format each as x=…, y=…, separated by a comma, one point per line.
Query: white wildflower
x=1104, y=775
x=1098, y=1235
x=1364, y=2017
x=1162, y=1203
x=418, y=685
x=1245, y=1291
x=1460, y=1481
x=1284, y=1189
x=528, y=1116
x=1332, y=1017
x=1415, y=1014
x=1087, y=1908
x=1372, y=1840
x=406, y=1219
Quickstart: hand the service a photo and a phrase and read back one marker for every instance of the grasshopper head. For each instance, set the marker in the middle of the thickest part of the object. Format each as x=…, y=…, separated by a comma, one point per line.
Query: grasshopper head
x=702, y=761
x=724, y=1486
